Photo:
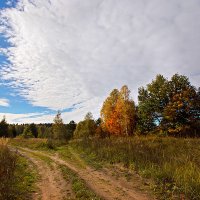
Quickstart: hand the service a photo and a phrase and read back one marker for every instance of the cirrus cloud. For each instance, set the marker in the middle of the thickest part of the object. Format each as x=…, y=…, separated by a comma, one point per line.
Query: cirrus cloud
x=67, y=53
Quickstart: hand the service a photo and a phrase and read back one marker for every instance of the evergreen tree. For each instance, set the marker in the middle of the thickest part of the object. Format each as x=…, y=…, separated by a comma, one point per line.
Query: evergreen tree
x=27, y=132
x=34, y=130
x=4, y=131
x=12, y=131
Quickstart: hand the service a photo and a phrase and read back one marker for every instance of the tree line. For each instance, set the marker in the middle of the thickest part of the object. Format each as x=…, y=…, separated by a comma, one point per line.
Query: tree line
x=42, y=130
x=165, y=107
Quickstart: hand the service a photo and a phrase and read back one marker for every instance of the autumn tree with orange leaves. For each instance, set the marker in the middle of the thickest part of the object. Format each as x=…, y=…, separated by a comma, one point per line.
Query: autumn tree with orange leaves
x=118, y=113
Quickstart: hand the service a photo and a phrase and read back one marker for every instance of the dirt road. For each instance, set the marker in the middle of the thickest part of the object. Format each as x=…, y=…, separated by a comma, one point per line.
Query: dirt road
x=104, y=185
x=51, y=182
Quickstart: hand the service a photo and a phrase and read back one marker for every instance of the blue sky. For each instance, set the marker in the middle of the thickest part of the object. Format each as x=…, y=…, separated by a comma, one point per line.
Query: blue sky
x=5, y=4
x=68, y=55
x=16, y=103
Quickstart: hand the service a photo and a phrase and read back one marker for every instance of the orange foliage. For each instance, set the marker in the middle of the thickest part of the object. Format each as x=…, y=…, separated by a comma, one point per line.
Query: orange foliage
x=118, y=113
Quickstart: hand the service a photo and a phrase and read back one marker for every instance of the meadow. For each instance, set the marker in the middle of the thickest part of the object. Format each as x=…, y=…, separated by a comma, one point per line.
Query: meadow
x=172, y=163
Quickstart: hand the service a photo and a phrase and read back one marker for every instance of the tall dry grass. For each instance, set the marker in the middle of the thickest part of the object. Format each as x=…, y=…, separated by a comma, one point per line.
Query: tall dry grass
x=4, y=142
x=7, y=171
x=174, y=164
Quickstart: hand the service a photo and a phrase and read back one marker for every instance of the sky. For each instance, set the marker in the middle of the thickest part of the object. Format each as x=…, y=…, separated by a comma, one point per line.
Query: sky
x=68, y=55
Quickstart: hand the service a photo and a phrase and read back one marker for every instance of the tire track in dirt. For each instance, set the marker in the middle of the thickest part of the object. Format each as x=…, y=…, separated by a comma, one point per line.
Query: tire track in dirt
x=102, y=184
x=52, y=184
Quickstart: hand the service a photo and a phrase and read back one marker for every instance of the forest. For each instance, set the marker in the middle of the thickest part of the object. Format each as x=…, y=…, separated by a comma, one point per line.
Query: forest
x=157, y=138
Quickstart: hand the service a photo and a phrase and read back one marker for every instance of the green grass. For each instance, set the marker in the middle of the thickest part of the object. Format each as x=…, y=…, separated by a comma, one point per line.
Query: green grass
x=26, y=178
x=79, y=187
x=31, y=143
x=36, y=154
x=80, y=159
x=77, y=157
x=87, y=159
x=173, y=164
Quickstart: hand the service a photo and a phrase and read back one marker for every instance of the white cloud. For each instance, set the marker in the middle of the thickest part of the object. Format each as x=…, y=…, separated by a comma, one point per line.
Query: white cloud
x=25, y=118
x=41, y=117
x=4, y=102
x=65, y=52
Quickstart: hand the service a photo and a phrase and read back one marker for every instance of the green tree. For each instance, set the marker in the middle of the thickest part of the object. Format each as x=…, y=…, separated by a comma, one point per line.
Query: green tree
x=59, y=129
x=85, y=128
x=41, y=131
x=27, y=132
x=19, y=129
x=70, y=129
x=34, y=130
x=12, y=131
x=167, y=106
x=182, y=110
x=151, y=103
x=4, y=131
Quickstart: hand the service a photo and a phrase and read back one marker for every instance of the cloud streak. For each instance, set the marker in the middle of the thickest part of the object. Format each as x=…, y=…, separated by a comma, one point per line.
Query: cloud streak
x=65, y=52
x=26, y=118
x=4, y=102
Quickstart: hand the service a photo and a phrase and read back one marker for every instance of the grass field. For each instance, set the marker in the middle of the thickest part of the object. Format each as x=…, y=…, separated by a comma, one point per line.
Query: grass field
x=173, y=164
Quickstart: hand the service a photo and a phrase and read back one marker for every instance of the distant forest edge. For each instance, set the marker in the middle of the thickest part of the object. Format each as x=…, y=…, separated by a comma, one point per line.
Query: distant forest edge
x=165, y=108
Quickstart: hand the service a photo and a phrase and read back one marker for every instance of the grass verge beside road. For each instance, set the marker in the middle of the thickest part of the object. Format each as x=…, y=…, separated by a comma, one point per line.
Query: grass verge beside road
x=17, y=178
